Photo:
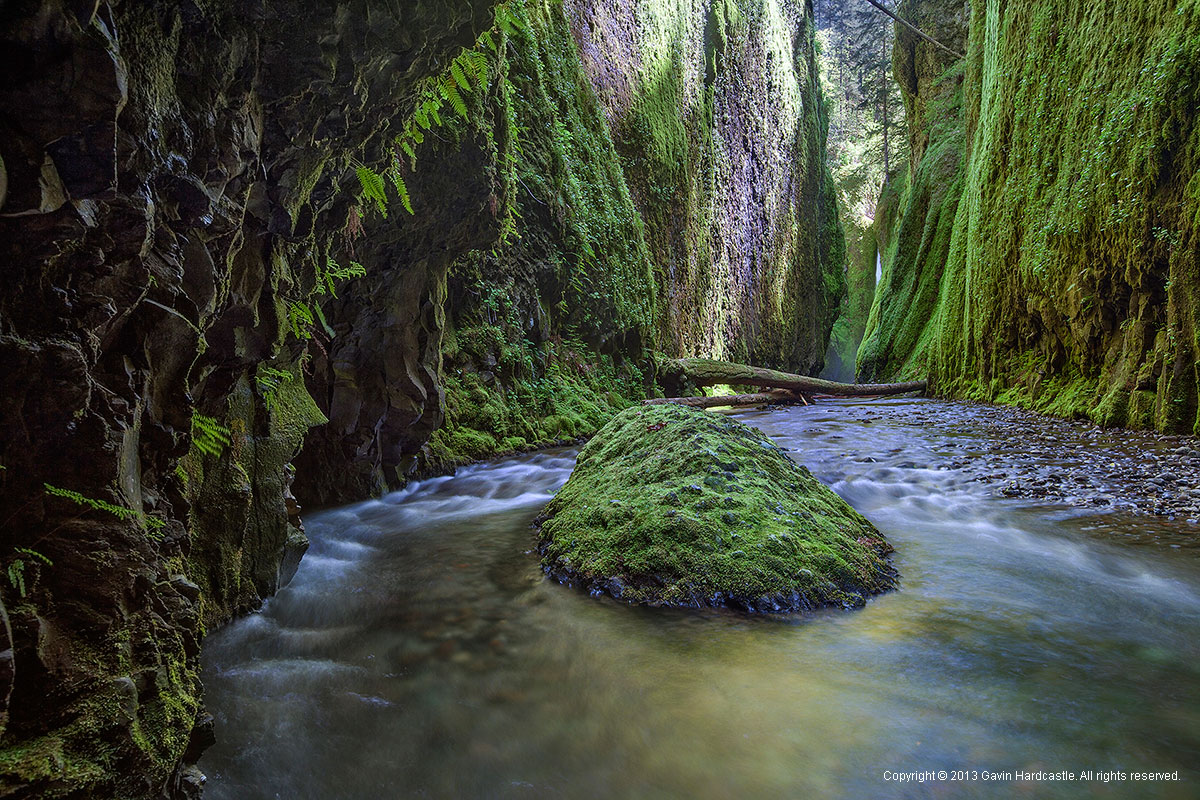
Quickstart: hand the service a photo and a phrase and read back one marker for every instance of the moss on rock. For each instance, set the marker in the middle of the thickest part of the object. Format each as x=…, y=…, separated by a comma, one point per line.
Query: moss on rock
x=671, y=506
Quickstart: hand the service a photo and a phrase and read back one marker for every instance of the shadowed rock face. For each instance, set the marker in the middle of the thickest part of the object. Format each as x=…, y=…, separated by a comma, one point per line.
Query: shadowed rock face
x=173, y=177
x=171, y=173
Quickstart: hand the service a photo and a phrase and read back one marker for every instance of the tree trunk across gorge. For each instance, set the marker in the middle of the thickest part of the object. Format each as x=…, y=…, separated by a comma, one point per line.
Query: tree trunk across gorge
x=787, y=386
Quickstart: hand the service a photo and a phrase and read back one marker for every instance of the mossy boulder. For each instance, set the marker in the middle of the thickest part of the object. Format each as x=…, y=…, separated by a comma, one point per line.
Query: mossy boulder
x=669, y=506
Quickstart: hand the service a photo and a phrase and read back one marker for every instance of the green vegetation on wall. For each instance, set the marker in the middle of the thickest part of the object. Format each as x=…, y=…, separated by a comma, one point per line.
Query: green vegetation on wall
x=544, y=331
x=1070, y=280
x=718, y=119
x=657, y=203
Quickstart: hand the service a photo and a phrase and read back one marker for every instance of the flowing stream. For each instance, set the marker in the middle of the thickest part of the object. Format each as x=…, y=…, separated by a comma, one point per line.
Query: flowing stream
x=419, y=652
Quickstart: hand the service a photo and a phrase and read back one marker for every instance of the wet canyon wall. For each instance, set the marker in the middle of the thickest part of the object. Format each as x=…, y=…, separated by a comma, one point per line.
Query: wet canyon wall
x=184, y=345
x=174, y=178
x=1043, y=247
x=668, y=193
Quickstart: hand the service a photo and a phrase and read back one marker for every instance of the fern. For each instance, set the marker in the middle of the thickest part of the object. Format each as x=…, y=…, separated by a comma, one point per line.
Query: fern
x=422, y=116
x=96, y=505
x=209, y=436
x=476, y=65
x=468, y=72
x=34, y=555
x=300, y=319
x=373, y=188
x=153, y=524
x=401, y=188
x=456, y=72
x=508, y=20
x=16, y=568
x=449, y=90
x=16, y=576
x=324, y=322
x=336, y=272
x=269, y=380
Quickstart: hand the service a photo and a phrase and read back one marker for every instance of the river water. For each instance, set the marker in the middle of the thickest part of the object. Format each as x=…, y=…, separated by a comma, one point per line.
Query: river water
x=419, y=652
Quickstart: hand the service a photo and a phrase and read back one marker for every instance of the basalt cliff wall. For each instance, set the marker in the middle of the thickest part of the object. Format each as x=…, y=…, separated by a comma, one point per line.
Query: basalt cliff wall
x=184, y=340
x=1044, y=247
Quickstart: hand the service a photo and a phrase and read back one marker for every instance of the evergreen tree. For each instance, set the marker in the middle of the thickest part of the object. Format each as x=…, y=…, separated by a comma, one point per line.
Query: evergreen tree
x=867, y=131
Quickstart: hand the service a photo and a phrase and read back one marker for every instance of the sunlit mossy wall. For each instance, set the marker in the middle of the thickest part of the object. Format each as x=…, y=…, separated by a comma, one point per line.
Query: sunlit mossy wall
x=1070, y=278
x=716, y=111
x=664, y=166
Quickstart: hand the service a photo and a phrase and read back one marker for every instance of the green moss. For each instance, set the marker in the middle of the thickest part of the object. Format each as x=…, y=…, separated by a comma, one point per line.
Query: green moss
x=916, y=216
x=293, y=411
x=671, y=506
x=559, y=394
x=1075, y=236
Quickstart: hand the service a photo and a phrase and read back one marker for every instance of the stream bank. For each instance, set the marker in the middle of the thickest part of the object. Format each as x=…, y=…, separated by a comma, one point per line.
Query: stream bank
x=420, y=648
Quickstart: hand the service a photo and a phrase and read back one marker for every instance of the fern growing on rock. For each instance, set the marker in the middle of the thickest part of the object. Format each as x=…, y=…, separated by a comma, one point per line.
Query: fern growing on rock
x=467, y=74
x=153, y=525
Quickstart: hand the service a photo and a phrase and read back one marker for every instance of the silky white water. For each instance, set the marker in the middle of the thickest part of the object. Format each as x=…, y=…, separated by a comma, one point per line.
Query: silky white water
x=419, y=652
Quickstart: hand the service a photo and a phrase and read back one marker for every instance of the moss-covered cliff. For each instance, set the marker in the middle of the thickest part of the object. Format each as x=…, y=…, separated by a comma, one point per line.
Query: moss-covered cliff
x=173, y=178
x=916, y=211
x=668, y=191
x=182, y=211
x=716, y=112
x=1054, y=262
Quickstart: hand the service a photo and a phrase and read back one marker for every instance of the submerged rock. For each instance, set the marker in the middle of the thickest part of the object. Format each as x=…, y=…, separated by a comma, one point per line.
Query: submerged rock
x=676, y=507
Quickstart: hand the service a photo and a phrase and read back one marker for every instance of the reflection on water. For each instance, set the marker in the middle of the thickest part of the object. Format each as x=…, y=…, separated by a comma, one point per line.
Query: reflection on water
x=419, y=652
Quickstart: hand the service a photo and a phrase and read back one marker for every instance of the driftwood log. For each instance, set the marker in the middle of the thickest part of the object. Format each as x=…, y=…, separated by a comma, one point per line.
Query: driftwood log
x=785, y=386
x=759, y=399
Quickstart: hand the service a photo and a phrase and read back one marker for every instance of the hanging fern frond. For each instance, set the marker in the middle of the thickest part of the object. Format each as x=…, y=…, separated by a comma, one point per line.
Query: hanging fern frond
x=34, y=555
x=209, y=436
x=477, y=66
x=401, y=190
x=300, y=319
x=153, y=524
x=421, y=115
x=456, y=72
x=336, y=272
x=449, y=90
x=16, y=576
x=324, y=322
x=373, y=188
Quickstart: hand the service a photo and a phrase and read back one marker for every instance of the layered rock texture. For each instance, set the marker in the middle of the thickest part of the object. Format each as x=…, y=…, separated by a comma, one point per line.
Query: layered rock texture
x=1044, y=247
x=678, y=507
x=669, y=191
x=174, y=177
x=184, y=331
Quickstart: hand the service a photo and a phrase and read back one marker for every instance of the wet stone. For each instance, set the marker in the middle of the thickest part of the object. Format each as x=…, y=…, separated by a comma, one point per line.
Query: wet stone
x=685, y=559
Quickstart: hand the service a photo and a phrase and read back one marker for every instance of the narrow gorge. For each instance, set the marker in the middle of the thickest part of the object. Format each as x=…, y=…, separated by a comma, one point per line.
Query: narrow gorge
x=267, y=258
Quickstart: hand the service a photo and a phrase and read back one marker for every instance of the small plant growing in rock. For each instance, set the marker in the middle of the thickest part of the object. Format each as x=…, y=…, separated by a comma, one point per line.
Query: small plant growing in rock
x=16, y=568
x=209, y=436
x=269, y=380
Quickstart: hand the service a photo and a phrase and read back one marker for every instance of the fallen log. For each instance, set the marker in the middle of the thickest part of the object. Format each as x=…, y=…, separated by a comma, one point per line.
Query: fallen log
x=760, y=399
x=708, y=372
